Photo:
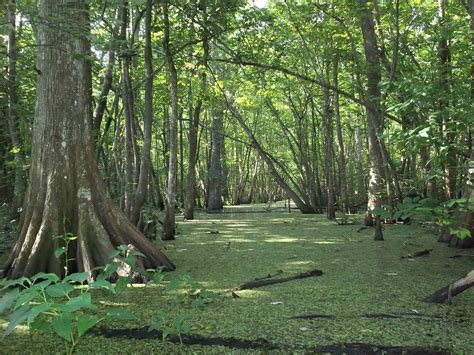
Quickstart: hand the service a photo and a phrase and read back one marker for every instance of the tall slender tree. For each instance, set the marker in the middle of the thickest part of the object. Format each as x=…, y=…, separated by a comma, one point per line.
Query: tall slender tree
x=374, y=116
x=193, y=135
x=142, y=186
x=13, y=119
x=169, y=220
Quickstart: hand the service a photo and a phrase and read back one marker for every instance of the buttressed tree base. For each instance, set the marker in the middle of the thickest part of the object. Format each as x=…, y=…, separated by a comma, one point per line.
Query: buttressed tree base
x=65, y=193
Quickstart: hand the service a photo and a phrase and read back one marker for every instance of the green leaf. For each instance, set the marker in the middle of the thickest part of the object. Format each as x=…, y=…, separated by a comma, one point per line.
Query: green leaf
x=50, y=276
x=71, y=236
x=461, y=233
x=115, y=253
x=84, y=323
x=37, y=310
x=59, y=290
x=122, y=283
x=103, y=284
x=59, y=251
x=80, y=277
x=158, y=277
x=109, y=270
x=62, y=325
x=84, y=300
x=137, y=253
x=383, y=213
x=17, y=317
x=208, y=294
x=42, y=285
x=197, y=303
x=174, y=284
x=25, y=297
x=120, y=250
x=7, y=300
x=131, y=260
x=121, y=314
x=20, y=281
x=40, y=323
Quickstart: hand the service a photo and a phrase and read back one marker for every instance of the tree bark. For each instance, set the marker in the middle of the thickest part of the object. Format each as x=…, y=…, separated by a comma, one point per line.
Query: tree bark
x=108, y=76
x=131, y=155
x=361, y=187
x=327, y=117
x=215, y=176
x=65, y=192
x=214, y=200
x=169, y=220
x=374, y=115
x=190, y=198
x=444, y=57
x=19, y=184
x=340, y=143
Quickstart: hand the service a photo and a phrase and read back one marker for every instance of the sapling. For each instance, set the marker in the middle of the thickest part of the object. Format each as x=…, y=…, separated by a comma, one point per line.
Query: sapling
x=45, y=302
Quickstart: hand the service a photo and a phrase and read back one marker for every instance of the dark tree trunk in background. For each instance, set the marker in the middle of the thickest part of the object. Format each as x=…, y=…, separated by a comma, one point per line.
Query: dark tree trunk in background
x=215, y=176
x=447, y=126
x=190, y=199
x=214, y=200
x=169, y=220
x=108, y=76
x=131, y=156
x=425, y=162
x=12, y=115
x=4, y=188
x=340, y=144
x=360, y=176
x=65, y=192
x=374, y=116
x=327, y=117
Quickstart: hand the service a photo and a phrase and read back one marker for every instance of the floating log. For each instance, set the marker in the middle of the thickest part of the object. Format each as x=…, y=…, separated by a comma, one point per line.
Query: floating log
x=418, y=254
x=453, y=289
x=265, y=282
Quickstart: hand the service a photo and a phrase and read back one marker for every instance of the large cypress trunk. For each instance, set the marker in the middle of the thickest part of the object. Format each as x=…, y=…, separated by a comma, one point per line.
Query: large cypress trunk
x=65, y=192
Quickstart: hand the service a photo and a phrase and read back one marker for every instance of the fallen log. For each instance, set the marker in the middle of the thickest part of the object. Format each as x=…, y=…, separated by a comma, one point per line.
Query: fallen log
x=417, y=254
x=266, y=282
x=269, y=276
x=453, y=289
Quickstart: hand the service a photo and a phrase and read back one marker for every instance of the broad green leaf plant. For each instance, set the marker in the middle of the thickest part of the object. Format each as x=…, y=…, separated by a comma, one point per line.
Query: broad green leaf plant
x=44, y=302
x=441, y=213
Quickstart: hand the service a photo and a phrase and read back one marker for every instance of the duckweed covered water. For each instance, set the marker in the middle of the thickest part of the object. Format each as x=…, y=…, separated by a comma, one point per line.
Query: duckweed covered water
x=367, y=293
